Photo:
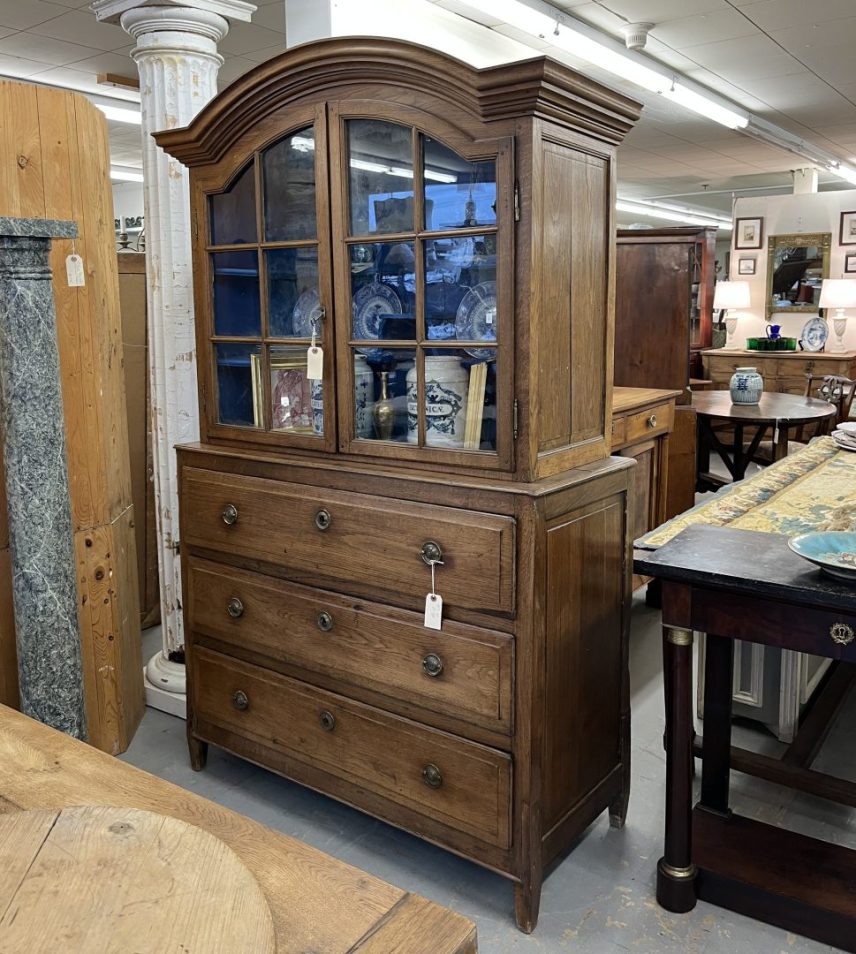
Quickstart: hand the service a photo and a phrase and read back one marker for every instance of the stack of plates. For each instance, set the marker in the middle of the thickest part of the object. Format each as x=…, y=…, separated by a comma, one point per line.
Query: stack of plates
x=845, y=436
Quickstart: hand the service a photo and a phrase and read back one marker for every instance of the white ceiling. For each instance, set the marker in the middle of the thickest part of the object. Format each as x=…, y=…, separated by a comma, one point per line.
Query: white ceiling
x=788, y=61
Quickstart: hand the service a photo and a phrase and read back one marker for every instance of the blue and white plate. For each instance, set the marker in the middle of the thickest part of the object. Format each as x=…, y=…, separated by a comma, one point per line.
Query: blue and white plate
x=307, y=311
x=834, y=551
x=476, y=319
x=371, y=304
x=814, y=334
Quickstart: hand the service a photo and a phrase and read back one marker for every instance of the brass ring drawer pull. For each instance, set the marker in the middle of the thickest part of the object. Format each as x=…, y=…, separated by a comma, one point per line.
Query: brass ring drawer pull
x=328, y=721
x=241, y=701
x=325, y=622
x=431, y=552
x=229, y=514
x=323, y=519
x=235, y=608
x=432, y=776
x=652, y=421
x=841, y=633
x=432, y=665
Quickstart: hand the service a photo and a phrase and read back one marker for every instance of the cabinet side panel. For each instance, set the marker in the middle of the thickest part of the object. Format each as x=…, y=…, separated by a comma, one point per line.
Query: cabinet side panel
x=583, y=672
x=574, y=308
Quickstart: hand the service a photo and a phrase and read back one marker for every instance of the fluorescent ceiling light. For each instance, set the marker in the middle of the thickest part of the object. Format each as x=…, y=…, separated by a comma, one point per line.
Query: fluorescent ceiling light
x=659, y=213
x=122, y=175
x=723, y=221
x=120, y=115
x=846, y=173
x=399, y=171
x=705, y=106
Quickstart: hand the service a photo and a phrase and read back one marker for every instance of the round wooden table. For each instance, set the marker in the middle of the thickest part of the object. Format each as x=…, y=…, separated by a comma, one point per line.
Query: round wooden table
x=781, y=412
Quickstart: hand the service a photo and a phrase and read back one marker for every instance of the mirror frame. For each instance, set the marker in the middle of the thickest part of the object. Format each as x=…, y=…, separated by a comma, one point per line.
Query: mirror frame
x=798, y=240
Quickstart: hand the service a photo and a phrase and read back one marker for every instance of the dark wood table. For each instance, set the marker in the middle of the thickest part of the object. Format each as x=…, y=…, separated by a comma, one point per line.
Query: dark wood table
x=781, y=412
x=740, y=584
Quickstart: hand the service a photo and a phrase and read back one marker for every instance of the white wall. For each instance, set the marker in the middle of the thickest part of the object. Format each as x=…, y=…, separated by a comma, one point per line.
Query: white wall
x=818, y=212
x=127, y=202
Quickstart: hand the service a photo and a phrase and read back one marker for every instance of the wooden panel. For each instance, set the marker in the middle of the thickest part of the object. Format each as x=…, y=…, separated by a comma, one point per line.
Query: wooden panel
x=54, y=163
x=318, y=903
x=369, y=540
x=362, y=746
x=367, y=645
x=680, y=492
x=584, y=606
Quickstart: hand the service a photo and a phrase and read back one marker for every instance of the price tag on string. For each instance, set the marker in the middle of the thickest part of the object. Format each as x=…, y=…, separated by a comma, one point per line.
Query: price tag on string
x=433, y=606
x=314, y=359
x=74, y=269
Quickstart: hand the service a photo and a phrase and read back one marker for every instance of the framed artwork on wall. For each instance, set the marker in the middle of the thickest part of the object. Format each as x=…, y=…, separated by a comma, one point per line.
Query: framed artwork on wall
x=749, y=233
x=745, y=266
x=850, y=264
x=847, y=235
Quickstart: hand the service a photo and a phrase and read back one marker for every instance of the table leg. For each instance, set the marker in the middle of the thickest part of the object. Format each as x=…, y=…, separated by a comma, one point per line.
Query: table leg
x=702, y=447
x=676, y=874
x=780, y=448
x=740, y=461
x=718, y=680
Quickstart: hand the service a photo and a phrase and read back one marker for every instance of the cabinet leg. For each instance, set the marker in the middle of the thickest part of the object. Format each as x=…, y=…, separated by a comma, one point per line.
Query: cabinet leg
x=618, y=806
x=527, y=902
x=198, y=752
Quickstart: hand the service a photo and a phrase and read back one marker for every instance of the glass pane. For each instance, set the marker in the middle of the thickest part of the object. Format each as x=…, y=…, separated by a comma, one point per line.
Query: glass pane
x=381, y=381
x=292, y=394
x=288, y=171
x=460, y=289
x=458, y=194
x=236, y=293
x=233, y=213
x=293, y=299
x=236, y=402
x=383, y=291
x=380, y=177
x=460, y=400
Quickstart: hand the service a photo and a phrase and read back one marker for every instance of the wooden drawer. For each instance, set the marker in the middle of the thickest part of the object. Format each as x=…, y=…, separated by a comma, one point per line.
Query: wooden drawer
x=619, y=432
x=374, y=542
x=385, y=650
x=649, y=423
x=364, y=746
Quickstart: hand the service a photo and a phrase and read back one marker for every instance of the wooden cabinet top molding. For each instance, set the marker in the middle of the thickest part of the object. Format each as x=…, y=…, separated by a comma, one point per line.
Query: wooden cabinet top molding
x=313, y=72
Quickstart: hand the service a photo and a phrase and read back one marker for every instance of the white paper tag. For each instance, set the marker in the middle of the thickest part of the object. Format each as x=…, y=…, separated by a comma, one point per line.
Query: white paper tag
x=434, y=611
x=315, y=363
x=74, y=271
x=489, y=315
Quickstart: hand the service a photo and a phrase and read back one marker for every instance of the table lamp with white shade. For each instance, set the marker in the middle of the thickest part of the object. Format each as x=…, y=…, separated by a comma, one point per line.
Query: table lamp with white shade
x=729, y=295
x=838, y=293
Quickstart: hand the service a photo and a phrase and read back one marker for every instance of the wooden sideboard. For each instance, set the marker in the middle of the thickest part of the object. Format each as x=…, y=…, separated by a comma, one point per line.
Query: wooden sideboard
x=642, y=420
x=318, y=903
x=782, y=371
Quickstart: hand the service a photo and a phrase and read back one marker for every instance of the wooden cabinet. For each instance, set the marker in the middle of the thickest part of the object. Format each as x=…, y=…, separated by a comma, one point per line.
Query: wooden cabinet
x=642, y=422
x=783, y=371
x=445, y=236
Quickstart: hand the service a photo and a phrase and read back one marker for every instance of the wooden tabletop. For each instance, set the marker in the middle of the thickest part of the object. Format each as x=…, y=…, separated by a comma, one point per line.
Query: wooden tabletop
x=773, y=407
x=789, y=355
x=318, y=904
x=628, y=399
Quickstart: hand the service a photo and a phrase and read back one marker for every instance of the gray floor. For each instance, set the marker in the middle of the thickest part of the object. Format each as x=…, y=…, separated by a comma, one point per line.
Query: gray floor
x=600, y=898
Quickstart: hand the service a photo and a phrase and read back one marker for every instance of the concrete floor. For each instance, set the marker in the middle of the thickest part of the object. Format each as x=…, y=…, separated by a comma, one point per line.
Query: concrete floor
x=600, y=898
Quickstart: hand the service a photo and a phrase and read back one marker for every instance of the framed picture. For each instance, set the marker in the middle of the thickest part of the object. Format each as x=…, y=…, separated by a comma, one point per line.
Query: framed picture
x=745, y=266
x=749, y=233
x=848, y=229
x=290, y=389
x=850, y=264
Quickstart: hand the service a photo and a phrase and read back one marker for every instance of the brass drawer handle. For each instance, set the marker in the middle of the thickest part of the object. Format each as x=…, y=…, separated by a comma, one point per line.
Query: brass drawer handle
x=841, y=633
x=229, y=514
x=325, y=622
x=652, y=421
x=431, y=552
x=328, y=721
x=235, y=608
x=323, y=519
x=432, y=665
x=432, y=776
x=241, y=701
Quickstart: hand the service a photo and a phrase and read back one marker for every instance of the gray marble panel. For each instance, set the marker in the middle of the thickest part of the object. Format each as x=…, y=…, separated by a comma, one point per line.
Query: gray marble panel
x=40, y=527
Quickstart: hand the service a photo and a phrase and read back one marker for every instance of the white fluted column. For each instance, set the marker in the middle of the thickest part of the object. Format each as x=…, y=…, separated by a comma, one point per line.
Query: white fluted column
x=176, y=55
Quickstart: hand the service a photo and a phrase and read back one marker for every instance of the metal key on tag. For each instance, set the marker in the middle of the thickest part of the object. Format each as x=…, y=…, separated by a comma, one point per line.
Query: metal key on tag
x=434, y=604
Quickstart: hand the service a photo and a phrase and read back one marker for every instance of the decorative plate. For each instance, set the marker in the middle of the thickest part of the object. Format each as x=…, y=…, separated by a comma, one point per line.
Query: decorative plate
x=814, y=334
x=306, y=310
x=834, y=551
x=476, y=319
x=372, y=303
x=846, y=440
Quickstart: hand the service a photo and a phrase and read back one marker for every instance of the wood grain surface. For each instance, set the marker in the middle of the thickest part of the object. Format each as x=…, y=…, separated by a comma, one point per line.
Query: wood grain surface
x=115, y=880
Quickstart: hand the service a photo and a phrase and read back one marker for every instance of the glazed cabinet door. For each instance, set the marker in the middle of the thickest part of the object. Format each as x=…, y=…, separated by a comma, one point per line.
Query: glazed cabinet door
x=264, y=269
x=422, y=230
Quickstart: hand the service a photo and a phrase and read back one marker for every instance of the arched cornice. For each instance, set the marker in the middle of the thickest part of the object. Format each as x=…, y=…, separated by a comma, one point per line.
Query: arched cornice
x=540, y=87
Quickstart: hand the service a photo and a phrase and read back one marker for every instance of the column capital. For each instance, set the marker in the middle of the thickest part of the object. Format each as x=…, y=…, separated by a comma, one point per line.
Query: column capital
x=169, y=11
